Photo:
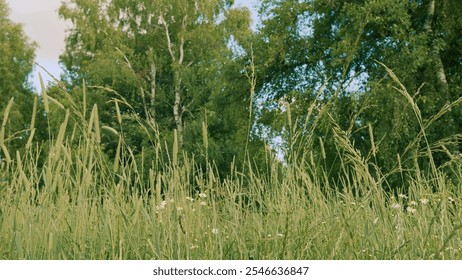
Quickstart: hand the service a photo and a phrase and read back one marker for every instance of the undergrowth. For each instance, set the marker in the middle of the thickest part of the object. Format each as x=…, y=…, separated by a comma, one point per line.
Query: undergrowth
x=66, y=199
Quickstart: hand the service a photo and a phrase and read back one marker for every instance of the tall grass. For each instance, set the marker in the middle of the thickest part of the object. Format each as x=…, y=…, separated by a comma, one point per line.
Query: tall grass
x=79, y=204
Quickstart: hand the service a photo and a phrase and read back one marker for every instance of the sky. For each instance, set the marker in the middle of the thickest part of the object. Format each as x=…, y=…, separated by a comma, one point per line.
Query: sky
x=42, y=24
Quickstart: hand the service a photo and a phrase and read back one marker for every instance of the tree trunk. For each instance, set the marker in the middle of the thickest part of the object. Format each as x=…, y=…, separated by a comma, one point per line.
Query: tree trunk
x=435, y=53
x=440, y=73
x=177, y=64
x=152, y=109
x=176, y=108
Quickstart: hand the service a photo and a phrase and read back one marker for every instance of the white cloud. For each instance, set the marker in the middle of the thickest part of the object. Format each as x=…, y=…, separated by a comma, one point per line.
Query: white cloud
x=41, y=24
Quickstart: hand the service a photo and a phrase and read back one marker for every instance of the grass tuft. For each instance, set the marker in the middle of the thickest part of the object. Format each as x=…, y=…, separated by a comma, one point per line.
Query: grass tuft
x=80, y=204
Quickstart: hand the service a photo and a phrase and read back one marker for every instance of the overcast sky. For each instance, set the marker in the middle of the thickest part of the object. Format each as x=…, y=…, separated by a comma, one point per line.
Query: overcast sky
x=41, y=23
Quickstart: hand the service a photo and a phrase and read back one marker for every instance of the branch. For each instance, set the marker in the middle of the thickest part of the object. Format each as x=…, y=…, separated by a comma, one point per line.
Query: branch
x=183, y=28
x=167, y=34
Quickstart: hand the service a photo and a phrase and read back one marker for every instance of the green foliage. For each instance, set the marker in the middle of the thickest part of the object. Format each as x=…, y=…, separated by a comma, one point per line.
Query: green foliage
x=335, y=47
x=171, y=62
x=16, y=55
x=80, y=204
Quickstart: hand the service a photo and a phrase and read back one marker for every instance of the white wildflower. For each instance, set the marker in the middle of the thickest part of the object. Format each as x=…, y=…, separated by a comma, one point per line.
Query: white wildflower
x=396, y=206
x=162, y=205
x=411, y=210
x=202, y=195
x=215, y=231
x=423, y=200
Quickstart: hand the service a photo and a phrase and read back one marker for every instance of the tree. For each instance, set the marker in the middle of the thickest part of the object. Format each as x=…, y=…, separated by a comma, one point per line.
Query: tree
x=16, y=63
x=302, y=44
x=172, y=61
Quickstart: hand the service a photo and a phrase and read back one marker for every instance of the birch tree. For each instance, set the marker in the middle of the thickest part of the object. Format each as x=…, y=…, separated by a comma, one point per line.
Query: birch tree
x=172, y=60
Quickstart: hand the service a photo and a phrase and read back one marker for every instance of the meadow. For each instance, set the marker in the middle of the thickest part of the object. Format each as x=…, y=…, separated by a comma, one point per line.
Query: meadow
x=72, y=202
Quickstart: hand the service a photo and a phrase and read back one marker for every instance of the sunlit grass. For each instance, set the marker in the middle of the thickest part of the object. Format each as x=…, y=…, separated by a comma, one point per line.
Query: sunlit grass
x=82, y=205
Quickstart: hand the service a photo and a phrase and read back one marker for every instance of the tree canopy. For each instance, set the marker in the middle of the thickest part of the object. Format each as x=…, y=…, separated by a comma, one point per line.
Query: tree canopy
x=16, y=64
x=338, y=47
x=174, y=62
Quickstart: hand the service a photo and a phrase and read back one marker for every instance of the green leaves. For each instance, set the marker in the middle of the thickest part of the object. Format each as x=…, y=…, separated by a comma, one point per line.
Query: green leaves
x=174, y=63
x=301, y=44
x=16, y=63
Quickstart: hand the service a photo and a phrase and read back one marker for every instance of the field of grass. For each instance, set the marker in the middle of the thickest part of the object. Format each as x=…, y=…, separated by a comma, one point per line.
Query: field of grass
x=72, y=202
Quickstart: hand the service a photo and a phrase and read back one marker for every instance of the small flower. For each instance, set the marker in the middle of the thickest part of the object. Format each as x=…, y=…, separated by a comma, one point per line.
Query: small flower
x=411, y=210
x=203, y=203
x=413, y=203
x=403, y=196
x=396, y=206
x=280, y=235
x=451, y=200
x=162, y=205
x=269, y=235
x=172, y=200
x=215, y=231
x=202, y=195
x=423, y=200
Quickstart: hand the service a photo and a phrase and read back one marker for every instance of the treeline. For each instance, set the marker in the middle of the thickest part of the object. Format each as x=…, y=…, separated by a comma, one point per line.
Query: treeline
x=386, y=75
